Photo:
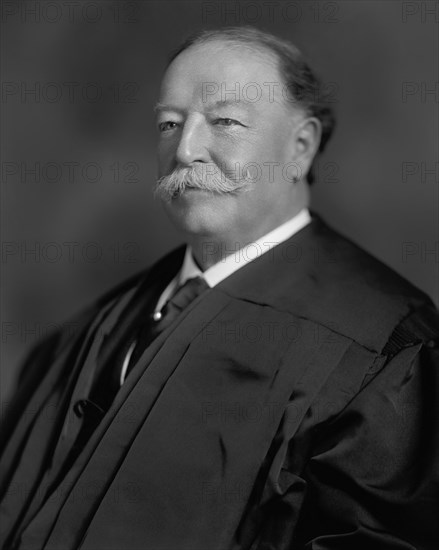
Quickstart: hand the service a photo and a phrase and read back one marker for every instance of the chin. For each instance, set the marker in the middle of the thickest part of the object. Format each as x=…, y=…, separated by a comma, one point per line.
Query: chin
x=199, y=212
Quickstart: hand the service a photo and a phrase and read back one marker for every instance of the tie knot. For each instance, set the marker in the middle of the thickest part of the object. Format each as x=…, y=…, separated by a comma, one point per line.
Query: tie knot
x=186, y=293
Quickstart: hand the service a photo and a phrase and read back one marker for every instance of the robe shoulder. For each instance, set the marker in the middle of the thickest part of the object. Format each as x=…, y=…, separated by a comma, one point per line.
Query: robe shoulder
x=324, y=277
x=370, y=302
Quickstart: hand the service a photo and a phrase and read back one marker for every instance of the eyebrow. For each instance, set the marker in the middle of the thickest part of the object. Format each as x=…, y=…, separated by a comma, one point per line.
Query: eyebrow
x=163, y=107
x=219, y=103
x=227, y=102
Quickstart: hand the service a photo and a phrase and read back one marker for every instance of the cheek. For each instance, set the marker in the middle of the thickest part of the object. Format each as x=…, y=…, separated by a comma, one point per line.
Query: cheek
x=262, y=156
x=234, y=157
x=165, y=157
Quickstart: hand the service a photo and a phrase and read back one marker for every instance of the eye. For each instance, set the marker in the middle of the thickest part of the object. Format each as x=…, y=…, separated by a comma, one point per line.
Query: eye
x=166, y=126
x=227, y=122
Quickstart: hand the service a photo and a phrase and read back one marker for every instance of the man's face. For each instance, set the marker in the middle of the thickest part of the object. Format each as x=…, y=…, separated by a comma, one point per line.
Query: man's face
x=222, y=107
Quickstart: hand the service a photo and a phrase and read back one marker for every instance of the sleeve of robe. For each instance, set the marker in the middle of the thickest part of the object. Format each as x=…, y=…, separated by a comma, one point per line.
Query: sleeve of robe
x=371, y=479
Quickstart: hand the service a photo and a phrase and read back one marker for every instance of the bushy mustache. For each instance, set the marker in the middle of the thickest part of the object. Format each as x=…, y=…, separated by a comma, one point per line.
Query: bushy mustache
x=207, y=177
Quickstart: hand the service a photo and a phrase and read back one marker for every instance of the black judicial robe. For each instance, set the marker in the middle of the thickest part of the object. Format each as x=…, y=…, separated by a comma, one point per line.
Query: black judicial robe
x=295, y=405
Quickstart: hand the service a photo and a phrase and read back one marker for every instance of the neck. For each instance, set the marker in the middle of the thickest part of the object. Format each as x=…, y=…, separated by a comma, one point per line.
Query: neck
x=211, y=249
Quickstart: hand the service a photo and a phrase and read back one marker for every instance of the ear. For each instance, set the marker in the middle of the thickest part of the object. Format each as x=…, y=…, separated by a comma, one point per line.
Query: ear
x=306, y=135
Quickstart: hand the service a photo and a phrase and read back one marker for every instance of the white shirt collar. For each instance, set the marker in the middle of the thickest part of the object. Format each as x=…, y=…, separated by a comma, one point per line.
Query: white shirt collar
x=237, y=259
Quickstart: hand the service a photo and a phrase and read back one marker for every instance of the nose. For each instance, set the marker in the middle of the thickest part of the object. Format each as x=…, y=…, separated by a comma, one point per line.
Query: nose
x=192, y=146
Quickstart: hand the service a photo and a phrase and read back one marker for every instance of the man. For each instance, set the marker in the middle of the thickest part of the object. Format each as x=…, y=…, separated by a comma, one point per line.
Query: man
x=269, y=386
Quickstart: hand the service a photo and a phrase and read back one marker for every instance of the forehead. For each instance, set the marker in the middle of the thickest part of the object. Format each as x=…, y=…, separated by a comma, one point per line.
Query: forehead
x=218, y=72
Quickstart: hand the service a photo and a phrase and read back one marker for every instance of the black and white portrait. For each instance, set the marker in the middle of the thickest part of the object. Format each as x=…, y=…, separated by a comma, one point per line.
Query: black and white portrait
x=220, y=241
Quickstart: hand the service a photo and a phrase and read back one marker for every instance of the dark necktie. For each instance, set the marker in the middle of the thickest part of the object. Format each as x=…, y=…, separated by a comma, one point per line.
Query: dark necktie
x=159, y=321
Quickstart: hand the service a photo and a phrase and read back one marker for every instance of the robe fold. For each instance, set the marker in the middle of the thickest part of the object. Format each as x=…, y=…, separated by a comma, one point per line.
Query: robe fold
x=295, y=405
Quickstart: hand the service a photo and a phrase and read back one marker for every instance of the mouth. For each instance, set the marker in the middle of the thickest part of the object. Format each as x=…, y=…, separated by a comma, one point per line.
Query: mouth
x=189, y=190
x=195, y=195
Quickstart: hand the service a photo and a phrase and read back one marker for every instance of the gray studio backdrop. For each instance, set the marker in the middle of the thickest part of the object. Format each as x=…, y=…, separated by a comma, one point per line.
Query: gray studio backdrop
x=79, y=80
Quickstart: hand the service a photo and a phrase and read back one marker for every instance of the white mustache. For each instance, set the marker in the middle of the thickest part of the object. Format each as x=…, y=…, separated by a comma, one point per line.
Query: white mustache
x=207, y=177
